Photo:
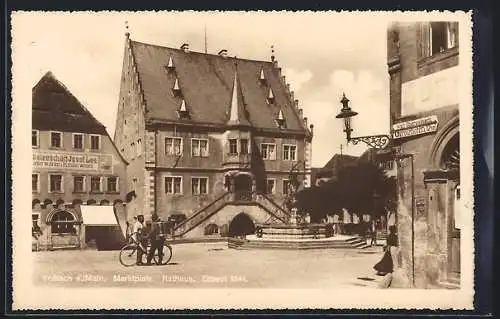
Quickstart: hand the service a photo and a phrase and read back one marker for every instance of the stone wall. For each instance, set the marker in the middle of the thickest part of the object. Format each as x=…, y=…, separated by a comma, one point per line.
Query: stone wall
x=423, y=209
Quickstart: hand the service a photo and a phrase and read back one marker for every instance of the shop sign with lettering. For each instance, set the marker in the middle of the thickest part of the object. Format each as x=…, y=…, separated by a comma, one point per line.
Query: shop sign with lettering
x=420, y=126
x=72, y=161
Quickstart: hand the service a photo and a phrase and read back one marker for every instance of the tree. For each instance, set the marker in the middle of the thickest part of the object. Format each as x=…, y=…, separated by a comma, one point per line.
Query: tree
x=363, y=188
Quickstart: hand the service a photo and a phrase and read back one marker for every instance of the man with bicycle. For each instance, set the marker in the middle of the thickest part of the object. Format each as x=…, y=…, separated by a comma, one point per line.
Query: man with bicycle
x=139, y=238
x=157, y=239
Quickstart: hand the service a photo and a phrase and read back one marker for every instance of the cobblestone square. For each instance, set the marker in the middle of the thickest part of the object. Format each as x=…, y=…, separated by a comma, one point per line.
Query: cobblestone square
x=211, y=265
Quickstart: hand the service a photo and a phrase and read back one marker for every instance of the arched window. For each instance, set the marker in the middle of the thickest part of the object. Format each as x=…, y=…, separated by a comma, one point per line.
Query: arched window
x=63, y=222
x=77, y=202
x=35, y=202
x=104, y=202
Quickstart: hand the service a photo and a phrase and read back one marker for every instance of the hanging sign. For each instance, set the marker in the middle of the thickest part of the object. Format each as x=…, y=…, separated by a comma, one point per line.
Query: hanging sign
x=420, y=126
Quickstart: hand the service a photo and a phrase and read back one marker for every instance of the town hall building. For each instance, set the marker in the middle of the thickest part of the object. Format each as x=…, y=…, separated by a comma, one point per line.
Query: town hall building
x=215, y=142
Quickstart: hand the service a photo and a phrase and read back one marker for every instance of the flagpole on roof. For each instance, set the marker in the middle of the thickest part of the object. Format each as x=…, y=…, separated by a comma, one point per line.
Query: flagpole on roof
x=205, y=27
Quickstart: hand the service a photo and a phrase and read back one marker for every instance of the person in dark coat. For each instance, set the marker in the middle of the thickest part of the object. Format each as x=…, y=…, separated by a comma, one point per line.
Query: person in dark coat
x=157, y=239
x=385, y=265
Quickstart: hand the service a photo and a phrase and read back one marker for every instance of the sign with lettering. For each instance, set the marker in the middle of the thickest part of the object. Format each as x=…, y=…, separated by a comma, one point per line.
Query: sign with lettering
x=420, y=126
x=72, y=161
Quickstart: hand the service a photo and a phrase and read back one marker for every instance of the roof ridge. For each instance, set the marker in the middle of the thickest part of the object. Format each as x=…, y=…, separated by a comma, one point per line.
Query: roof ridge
x=200, y=53
x=50, y=75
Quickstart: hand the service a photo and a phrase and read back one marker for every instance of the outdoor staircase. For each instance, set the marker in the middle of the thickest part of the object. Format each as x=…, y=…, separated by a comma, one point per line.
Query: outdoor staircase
x=350, y=243
x=201, y=215
x=276, y=212
x=357, y=242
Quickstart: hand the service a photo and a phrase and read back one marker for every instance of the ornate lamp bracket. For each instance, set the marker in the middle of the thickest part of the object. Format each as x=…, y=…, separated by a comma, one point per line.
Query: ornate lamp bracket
x=373, y=141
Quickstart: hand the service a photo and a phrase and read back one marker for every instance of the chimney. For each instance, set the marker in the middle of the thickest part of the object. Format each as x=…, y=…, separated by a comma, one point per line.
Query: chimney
x=185, y=47
x=223, y=53
x=305, y=121
x=311, y=128
x=283, y=79
x=292, y=96
x=296, y=104
x=301, y=112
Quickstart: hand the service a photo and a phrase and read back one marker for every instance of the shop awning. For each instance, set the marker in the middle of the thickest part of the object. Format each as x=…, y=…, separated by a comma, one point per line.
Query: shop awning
x=98, y=216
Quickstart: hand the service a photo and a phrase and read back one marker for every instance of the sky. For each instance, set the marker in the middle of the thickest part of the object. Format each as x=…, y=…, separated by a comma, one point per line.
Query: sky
x=322, y=55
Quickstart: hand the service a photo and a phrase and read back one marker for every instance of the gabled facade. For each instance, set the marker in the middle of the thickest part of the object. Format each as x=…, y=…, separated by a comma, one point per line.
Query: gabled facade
x=425, y=80
x=196, y=126
x=74, y=163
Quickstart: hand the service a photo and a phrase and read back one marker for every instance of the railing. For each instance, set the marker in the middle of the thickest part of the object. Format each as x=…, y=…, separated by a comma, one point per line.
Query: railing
x=273, y=207
x=201, y=215
x=243, y=196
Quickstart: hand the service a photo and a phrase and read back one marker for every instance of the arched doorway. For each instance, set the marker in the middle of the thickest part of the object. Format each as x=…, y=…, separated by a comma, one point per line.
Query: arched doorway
x=241, y=225
x=243, y=187
x=62, y=222
x=64, y=229
x=450, y=161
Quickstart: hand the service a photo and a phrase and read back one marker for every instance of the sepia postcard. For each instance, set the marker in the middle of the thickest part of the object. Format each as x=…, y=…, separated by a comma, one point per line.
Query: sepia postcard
x=242, y=160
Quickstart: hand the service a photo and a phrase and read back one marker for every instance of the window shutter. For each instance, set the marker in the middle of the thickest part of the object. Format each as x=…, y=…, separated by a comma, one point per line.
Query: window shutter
x=62, y=183
x=101, y=184
x=424, y=40
x=84, y=183
x=117, y=184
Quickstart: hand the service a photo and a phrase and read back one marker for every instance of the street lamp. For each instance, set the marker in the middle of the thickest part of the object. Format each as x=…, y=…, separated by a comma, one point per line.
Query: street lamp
x=380, y=141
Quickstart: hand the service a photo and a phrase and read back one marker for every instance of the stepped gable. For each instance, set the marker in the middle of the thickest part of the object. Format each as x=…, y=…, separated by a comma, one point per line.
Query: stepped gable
x=55, y=108
x=207, y=82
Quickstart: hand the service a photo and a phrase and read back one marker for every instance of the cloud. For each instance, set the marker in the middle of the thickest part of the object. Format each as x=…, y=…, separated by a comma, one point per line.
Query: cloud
x=297, y=78
x=369, y=96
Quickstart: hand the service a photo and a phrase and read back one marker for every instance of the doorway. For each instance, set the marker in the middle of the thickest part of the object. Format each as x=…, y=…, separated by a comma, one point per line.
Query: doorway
x=243, y=187
x=241, y=225
x=451, y=162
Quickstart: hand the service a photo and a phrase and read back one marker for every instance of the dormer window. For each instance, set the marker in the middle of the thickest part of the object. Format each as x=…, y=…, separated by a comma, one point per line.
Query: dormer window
x=270, y=97
x=280, y=120
x=185, y=47
x=176, y=90
x=183, y=111
x=262, y=77
x=170, y=64
x=223, y=53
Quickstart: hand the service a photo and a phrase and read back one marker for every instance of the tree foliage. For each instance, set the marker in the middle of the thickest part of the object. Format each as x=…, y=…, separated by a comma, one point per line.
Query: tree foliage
x=363, y=188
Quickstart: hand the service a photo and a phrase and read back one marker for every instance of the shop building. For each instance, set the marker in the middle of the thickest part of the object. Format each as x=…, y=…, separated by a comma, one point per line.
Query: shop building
x=210, y=138
x=425, y=74
x=75, y=165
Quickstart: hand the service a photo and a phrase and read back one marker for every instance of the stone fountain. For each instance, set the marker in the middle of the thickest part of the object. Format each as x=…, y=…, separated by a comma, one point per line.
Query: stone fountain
x=295, y=234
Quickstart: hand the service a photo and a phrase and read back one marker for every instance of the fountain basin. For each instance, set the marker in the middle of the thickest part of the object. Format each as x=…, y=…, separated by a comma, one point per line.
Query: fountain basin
x=295, y=236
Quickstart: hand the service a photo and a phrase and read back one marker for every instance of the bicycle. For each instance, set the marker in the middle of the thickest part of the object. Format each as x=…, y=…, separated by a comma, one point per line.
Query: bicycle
x=128, y=258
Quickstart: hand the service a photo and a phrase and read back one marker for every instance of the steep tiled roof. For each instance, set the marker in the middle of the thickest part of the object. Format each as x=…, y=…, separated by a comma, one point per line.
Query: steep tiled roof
x=206, y=82
x=55, y=108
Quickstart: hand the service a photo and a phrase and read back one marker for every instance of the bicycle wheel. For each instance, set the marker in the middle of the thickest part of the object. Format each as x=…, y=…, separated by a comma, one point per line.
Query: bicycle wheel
x=167, y=255
x=128, y=255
